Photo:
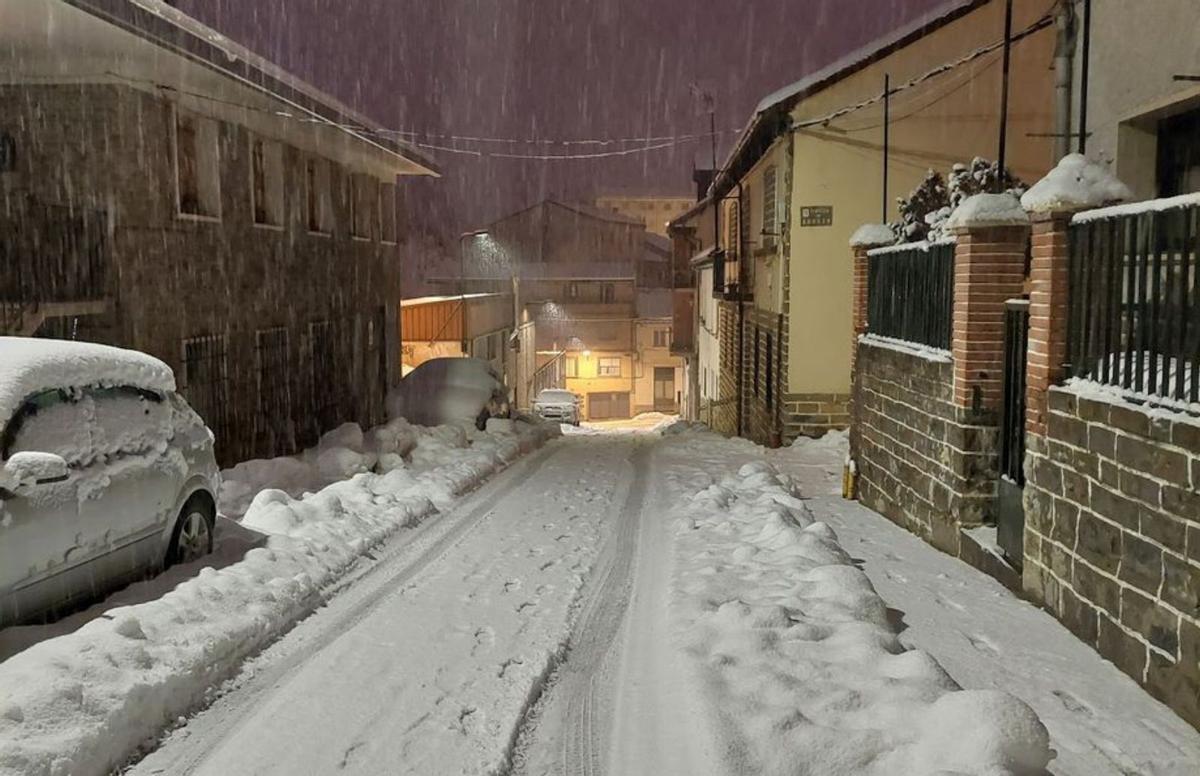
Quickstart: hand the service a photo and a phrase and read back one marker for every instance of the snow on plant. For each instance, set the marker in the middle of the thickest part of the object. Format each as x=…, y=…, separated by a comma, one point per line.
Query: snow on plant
x=83, y=702
x=924, y=212
x=803, y=667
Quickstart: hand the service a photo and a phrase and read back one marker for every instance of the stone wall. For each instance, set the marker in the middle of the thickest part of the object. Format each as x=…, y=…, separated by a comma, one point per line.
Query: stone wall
x=174, y=278
x=1112, y=537
x=923, y=462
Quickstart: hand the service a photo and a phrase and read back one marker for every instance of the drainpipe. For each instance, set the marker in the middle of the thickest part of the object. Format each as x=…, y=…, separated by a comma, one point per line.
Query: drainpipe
x=741, y=327
x=1064, y=77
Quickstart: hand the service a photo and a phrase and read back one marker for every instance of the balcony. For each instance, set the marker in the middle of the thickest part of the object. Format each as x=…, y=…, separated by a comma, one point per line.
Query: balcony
x=53, y=263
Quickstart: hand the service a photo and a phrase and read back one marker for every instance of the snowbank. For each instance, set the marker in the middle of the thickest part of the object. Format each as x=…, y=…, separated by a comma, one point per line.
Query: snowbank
x=872, y=236
x=1077, y=183
x=83, y=702
x=801, y=657
x=984, y=210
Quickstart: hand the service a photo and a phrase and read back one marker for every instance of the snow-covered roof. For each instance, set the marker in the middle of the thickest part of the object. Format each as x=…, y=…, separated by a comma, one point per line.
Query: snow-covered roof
x=424, y=300
x=1076, y=183
x=861, y=57
x=29, y=366
x=988, y=210
x=703, y=257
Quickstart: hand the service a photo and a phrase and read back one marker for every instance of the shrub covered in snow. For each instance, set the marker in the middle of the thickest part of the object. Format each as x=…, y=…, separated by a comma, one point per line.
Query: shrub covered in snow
x=802, y=661
x=923, y=214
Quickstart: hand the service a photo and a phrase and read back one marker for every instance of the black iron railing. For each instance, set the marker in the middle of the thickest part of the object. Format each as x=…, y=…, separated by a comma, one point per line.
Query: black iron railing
x=1134, y=315
x=1012, y=414
x=53, y=253
x=910, y=294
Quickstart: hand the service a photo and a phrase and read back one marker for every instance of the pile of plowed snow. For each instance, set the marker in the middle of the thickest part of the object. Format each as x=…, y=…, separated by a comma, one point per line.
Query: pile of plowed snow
x=82, y=703
x=800, y=661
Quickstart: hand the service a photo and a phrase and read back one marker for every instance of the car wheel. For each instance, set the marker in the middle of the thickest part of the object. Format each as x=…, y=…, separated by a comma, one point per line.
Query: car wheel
x=192, y=538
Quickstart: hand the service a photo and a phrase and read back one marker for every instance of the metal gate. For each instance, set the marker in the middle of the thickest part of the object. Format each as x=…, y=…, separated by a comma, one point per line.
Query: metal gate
x=1010, y=512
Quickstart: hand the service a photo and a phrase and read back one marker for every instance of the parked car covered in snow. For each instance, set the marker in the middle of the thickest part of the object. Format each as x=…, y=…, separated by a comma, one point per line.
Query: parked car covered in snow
x=450, y=390
x=555, y=404
x=106, y=474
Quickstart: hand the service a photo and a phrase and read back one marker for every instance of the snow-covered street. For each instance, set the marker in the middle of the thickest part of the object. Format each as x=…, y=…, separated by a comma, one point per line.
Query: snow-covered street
x=640, y=603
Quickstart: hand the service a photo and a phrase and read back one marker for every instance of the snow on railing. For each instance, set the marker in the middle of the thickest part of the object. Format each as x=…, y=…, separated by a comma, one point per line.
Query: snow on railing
x=924, y=246
x=1137, y=208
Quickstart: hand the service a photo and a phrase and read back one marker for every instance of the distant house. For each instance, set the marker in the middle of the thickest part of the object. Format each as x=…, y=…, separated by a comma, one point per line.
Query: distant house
x=593, y=290
x=654, y=211
x=474, y=325
x=164, y=189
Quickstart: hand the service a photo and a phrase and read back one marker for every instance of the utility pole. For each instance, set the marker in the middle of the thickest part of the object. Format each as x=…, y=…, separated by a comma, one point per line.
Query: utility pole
x=887, y=136
x=1002, y=160
x=1085, y=76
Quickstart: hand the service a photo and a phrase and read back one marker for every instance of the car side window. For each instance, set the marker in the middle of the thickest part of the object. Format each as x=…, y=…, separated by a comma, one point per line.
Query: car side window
x=51, y=422
x=128, y=421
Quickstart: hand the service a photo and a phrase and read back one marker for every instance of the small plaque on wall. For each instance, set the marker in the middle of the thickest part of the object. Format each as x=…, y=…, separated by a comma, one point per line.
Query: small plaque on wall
x=816, y=215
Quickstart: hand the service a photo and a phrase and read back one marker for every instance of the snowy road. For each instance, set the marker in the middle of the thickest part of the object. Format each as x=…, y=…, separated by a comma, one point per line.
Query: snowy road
x=427, y=663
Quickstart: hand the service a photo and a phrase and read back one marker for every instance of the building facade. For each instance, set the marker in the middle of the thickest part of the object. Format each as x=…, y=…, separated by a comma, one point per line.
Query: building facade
x=158, y=201
x=654, y=212
x=594, y=299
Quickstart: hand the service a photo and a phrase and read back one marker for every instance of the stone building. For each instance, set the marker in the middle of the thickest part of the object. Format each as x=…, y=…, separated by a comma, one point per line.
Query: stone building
x=654, y=211
x=166, y=190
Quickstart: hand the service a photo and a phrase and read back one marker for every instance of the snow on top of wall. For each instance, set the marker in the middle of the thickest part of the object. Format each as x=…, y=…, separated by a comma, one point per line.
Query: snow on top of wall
x=1137, y=208
x=988, y=210
x=872, y=236
x=927, y=352
x=29, y=366
x=923, y=245
x=1154, y=406
x=1075, y=184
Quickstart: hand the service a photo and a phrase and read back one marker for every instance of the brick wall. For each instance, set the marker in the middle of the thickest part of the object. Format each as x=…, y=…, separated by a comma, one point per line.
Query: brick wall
x=173, y=279
x=1112, y=537
x=923, y=462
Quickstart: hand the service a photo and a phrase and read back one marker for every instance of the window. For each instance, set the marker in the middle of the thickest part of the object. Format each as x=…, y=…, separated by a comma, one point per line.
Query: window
x=608, y=293
x=326, y=357
x=1179, y=154
x=770, y=372
x=318, y=202
x=387, y=210
x=266, y=182
x=572, y=367
x=770, y=205
x=757, y=341
x=128, y=421
x=273, y=356
x=50, y=422
x=662, y=338
x=205, y=383
x=363, y=205
x=610, y=367
x=197, y=167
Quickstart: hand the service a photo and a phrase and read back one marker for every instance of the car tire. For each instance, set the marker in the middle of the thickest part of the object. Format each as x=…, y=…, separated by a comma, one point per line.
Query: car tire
x=192, y=537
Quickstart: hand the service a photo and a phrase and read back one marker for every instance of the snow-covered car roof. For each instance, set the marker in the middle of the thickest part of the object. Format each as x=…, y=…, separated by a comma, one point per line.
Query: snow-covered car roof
x=29, y=366
x=555, y=394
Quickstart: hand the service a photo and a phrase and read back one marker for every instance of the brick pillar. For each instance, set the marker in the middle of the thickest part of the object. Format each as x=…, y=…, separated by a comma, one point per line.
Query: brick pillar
x=859, y=300
x=1047, y=315
x=989, y=269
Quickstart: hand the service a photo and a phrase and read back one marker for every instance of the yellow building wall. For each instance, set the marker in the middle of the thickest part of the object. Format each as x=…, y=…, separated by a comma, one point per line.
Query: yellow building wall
x=948, y=119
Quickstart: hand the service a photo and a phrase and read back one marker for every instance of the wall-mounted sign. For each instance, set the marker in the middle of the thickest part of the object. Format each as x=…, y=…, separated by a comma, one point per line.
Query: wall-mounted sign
x=816, y=215
x=8, y=153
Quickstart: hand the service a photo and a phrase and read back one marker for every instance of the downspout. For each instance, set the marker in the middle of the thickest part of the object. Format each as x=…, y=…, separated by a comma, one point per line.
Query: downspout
x=741, y=308
x=1064, y=77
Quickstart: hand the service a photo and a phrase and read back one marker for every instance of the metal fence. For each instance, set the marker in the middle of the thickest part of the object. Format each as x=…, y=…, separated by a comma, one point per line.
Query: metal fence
x=911, y=294
x=206, y=385
x=1134, y=316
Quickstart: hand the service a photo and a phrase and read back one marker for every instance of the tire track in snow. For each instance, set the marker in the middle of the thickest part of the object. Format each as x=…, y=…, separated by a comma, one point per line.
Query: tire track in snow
x=582, y=678
x=423, y=547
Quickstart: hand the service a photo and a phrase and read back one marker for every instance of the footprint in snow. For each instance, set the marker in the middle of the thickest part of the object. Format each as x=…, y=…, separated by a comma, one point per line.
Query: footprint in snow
x=982, y=644
x=525, y=605
x=1071, y=703
x=511, y=585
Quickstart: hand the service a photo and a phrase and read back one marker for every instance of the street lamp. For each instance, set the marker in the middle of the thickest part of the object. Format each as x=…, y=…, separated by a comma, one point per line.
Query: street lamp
x=462, y=259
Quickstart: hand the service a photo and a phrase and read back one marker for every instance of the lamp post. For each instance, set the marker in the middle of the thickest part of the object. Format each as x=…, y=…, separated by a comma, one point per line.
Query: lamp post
x=462, y=281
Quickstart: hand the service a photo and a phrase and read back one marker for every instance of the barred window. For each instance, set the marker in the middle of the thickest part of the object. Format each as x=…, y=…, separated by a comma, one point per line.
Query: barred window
x=206, y=383
x=274, y=368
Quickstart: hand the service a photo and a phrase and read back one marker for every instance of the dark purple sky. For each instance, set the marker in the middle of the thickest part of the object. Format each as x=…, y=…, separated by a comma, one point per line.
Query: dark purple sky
x=557, y=69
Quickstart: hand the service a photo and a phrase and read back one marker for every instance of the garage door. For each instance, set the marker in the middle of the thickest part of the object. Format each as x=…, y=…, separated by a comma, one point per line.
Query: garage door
x=606, y=406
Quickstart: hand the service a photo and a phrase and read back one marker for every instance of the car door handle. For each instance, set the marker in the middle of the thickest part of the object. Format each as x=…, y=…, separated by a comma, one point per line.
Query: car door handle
x=53, y=480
